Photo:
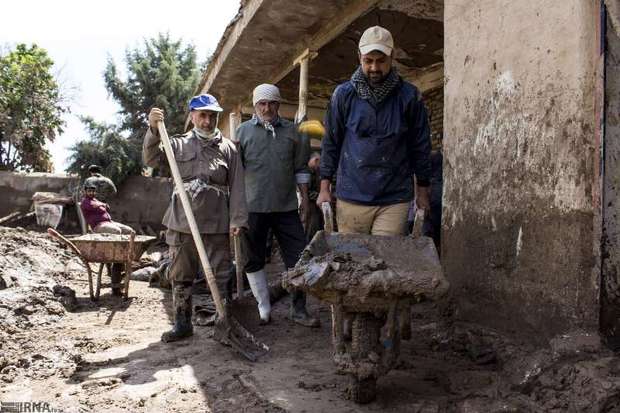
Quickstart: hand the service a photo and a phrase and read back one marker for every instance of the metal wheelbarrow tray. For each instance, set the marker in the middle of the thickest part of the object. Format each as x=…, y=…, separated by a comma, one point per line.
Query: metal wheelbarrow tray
x=110, y=248
x=368, y=273
x=106, y=249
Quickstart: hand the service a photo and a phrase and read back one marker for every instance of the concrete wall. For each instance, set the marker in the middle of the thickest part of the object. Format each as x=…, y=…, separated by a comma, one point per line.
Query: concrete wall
x=141, y=201
x=17, y=188
x=520, y=234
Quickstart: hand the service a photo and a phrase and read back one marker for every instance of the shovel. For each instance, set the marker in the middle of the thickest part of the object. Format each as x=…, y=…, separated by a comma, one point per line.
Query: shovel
x=228, y=330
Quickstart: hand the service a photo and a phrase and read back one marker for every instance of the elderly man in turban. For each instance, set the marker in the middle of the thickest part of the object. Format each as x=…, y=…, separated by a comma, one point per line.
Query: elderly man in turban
x=275, y=158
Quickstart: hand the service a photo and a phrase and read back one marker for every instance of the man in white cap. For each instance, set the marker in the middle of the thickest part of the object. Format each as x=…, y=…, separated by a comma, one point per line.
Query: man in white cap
x=377, y=140
x=212, y=175
x=275, y=158
x=377, y=143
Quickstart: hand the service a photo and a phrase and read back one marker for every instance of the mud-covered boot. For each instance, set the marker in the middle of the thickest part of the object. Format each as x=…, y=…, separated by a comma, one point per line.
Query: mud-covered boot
x=182, y=310
x=298, y=312
x=260, y=290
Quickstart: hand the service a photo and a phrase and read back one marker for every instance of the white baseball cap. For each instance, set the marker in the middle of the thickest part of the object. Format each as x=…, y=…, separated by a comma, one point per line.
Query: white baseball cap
x=376, y=38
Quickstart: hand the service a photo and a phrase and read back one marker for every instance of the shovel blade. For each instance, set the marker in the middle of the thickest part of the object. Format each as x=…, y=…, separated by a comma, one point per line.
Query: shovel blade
x=230, y=332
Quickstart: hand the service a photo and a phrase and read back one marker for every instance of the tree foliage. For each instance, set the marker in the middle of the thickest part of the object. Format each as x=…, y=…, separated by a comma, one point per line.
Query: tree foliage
x=31, y=109
x=163, y=73
x=119, y=157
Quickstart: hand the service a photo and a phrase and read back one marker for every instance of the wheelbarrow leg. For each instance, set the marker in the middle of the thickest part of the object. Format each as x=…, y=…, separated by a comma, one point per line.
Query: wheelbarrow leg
x=98, y=286
x=90, y=281
x=130, y=255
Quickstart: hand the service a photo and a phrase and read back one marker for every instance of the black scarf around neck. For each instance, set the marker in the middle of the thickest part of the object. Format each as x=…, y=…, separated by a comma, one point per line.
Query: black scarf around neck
x=375, y=95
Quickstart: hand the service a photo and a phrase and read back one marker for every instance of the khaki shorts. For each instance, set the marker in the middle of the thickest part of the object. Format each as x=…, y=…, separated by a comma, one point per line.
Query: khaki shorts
x=375, y=220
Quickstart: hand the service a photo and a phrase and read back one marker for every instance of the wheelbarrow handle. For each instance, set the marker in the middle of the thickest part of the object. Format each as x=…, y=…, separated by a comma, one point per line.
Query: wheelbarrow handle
x=328, y=217
x=58, y=236
x=418, y=224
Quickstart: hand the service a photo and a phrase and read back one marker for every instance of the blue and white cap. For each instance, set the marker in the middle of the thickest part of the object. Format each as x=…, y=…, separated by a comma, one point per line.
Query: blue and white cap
x=204, y=102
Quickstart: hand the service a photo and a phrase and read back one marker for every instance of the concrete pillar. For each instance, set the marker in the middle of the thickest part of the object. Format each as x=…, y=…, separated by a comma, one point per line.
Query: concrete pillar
x=303, y=90
x=521, y=217
x=234, y=119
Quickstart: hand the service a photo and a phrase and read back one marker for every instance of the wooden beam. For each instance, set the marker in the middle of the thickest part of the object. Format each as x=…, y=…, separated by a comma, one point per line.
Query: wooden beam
x=303, y=90
x=228, y=42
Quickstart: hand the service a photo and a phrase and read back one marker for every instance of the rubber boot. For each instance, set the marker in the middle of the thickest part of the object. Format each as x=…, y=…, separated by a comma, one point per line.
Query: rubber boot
x=260, y=290
x=299, y=314
x=182, y=308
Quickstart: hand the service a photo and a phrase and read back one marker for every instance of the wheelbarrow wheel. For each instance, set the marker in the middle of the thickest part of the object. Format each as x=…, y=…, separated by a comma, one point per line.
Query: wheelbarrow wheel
x=363, y=391
x=365, y=334
x=116, y=278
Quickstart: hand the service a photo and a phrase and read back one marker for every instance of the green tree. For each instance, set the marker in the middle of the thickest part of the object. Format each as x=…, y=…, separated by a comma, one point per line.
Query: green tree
x=163, y=73
x=31, y=109
x=119, y=157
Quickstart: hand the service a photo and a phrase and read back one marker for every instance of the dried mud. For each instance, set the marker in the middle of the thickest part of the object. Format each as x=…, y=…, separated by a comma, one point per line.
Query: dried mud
x=80, y=356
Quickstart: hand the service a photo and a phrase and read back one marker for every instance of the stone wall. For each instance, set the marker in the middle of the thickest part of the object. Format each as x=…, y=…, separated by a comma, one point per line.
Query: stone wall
x=433, y=99
x=521, y=220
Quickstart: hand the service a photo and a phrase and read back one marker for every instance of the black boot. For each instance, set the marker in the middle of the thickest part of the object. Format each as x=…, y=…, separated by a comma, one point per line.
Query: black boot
x=182, y=306
x=299, y=314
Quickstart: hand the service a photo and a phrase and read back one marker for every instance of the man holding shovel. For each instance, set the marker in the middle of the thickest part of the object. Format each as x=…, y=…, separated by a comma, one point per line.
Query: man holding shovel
x=275, y=158
x=212, y=176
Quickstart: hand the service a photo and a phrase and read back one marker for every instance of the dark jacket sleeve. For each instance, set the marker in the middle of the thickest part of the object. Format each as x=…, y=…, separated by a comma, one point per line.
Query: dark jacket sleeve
x=420, y=142
x=151, y=154
x=334, y=135
x=302, y=154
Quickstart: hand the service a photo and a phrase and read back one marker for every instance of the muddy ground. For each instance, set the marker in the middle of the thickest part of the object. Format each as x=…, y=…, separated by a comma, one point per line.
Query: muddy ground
x=80, y=356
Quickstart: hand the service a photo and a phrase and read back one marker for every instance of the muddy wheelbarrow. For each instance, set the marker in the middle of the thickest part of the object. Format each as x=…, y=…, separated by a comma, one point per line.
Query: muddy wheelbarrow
x=373, y=281
x=106, y=249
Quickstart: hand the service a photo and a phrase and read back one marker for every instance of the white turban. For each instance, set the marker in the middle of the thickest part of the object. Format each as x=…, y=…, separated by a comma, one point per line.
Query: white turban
x=266, y=92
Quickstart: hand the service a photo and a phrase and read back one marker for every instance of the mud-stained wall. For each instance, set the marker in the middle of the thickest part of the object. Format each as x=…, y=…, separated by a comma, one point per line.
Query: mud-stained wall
x=520, y=243
x=141, y=201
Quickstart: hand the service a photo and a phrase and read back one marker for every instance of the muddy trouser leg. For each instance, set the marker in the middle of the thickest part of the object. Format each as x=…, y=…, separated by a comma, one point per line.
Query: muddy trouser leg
x=218, y=251
x=289, y=232
x=116, y=276
x=256, y=241
x=183, y=266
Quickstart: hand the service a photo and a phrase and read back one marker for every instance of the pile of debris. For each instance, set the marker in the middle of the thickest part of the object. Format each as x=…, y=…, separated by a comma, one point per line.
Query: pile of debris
x=34, y=271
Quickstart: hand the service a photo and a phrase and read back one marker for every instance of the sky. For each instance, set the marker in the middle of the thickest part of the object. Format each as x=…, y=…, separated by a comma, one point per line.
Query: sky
x=80, y=36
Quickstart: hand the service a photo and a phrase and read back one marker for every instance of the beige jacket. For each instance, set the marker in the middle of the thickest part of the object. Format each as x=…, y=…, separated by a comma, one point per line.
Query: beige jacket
x=213, y=177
